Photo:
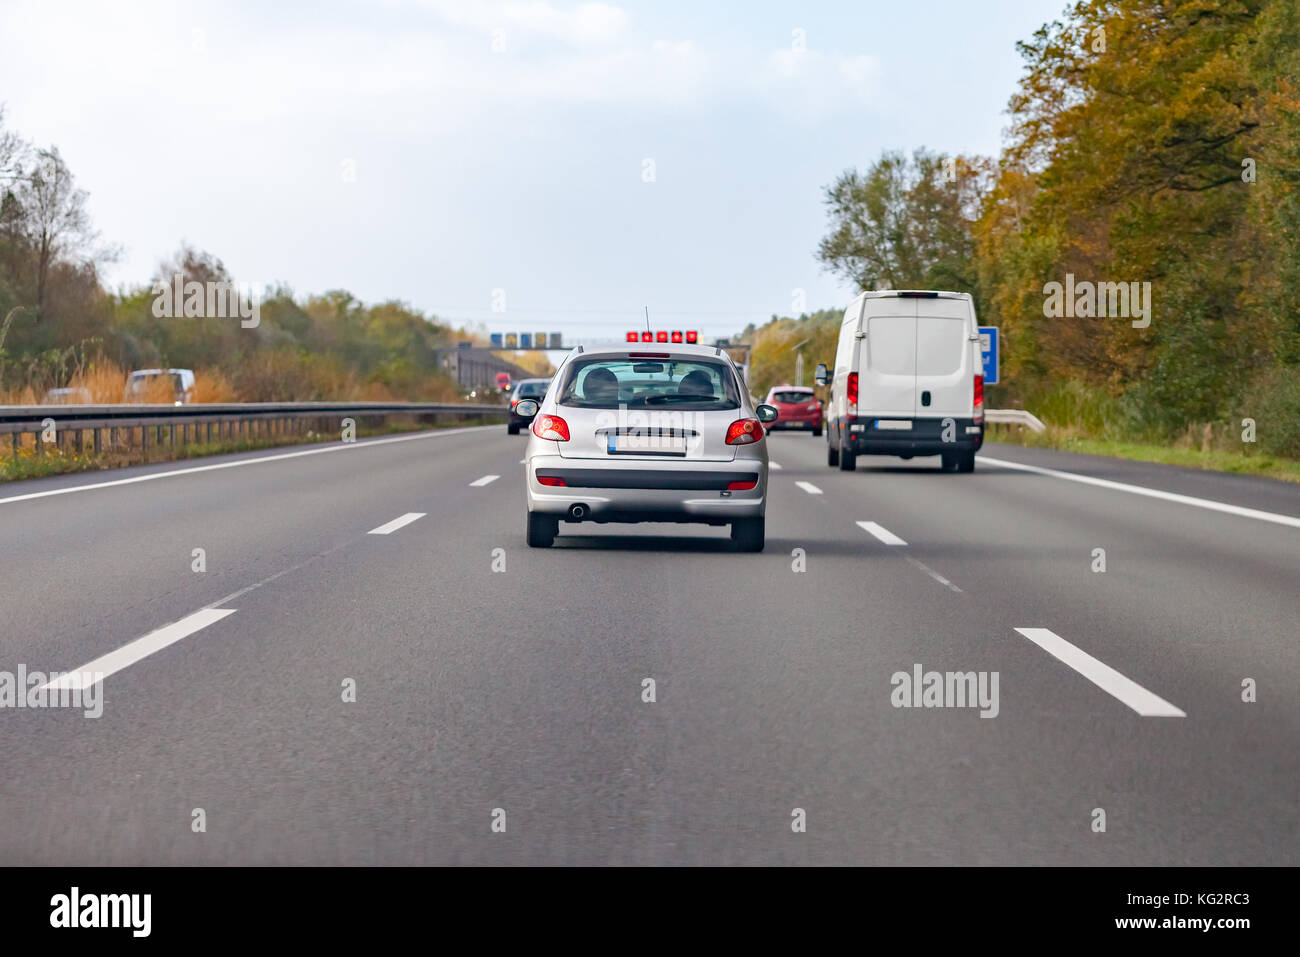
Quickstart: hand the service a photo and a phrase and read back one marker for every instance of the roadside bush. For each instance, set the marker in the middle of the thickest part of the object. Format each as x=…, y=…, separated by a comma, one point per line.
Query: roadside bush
x=1273, y=401
x=1077, y=407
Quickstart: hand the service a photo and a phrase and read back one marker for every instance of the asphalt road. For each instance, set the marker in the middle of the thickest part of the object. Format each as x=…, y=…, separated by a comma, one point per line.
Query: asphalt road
x=521, y=689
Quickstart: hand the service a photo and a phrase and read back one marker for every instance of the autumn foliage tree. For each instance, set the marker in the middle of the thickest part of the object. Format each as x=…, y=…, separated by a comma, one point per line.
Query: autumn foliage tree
x=1150, y=141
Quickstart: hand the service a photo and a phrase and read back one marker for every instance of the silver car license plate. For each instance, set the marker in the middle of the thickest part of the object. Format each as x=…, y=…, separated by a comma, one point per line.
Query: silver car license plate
x=649, y=443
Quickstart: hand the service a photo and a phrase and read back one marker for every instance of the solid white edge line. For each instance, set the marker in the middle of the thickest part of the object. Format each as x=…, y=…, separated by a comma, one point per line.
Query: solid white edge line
x=141, y=648
x=1103, y=675
x=485, y=480
x=882, y=533
x=402, y=520
x=809, y=488
x=340, y=447
x=774, y=465
x=1192, y=500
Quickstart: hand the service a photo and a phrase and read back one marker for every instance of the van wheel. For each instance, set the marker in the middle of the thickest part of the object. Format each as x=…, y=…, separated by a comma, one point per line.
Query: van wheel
x=848, y=460
x=966, y=462
x=749, y=533
x=948, y=461
x=832, y=455
x=542, y=530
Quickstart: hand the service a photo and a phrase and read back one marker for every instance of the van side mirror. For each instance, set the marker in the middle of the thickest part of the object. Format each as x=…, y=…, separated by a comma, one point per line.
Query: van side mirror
x=822, y=375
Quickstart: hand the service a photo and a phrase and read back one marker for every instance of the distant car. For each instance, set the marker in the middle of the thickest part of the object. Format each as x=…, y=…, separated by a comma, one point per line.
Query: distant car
x=68, y=397
x=503, y=381
x=668, y=434
x=162, y=385
x=524, y=389
x=798, y=408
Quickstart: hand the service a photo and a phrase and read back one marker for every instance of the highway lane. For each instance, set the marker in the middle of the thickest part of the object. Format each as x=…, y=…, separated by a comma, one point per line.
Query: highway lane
x=521, y=689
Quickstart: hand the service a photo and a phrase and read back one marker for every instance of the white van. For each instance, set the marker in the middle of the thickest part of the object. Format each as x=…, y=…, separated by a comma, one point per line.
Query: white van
x=908, y=380
x=146, y=383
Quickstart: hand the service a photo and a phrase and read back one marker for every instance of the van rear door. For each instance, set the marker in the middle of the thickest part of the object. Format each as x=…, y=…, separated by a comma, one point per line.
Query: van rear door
x=887, y=366
x=944, y=359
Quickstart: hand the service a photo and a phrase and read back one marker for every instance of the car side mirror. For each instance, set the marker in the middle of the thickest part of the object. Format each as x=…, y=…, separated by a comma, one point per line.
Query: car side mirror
x=526, y=408
x=822, y=375
x=767, y=413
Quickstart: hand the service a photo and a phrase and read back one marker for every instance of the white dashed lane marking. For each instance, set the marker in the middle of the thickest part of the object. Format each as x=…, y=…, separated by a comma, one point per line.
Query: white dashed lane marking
x=933, y=574
x=1103, y=675
x=884, y=534
x=389, y=527
x=141, y=648
x=485, y=480
x=809, y=488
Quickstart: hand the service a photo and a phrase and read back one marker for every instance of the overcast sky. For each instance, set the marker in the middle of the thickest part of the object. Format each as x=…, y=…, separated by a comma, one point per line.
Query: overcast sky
x=435, y=151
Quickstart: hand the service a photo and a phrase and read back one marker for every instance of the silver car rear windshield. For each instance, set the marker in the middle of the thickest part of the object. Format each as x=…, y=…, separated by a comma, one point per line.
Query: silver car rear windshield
x=612, y=382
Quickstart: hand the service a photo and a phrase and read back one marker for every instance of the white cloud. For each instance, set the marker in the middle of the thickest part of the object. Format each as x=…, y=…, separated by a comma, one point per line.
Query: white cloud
x=586, y=25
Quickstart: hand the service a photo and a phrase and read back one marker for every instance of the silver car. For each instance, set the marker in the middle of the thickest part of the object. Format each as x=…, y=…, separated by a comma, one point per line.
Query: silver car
x=652, y=434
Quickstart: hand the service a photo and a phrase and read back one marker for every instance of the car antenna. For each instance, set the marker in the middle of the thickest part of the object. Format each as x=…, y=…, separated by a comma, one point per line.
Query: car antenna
x=647, y=318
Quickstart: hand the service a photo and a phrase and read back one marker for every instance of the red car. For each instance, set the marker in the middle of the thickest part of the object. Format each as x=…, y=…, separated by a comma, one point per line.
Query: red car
x=798, y=408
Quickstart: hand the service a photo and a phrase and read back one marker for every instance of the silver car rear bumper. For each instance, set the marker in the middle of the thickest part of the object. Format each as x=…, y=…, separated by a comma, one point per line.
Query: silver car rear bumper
x=644, y=491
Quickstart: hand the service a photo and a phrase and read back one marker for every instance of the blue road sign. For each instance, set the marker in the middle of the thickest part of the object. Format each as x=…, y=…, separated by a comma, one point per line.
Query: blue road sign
x=525, y=340
x=498, y=340
x=989, y=353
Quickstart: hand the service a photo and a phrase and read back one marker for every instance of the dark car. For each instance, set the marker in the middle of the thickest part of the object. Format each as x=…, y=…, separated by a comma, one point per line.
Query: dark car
x=524, y=389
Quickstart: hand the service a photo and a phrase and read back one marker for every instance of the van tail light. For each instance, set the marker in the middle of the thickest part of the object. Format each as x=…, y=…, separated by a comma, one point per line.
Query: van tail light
x=979, y=399
x=742, y=486
x=853, y=390
x=551, y=427
x=552, y=480
x=744, y=432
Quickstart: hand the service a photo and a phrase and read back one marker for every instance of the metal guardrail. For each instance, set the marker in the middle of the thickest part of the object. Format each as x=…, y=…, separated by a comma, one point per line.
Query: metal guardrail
x=1014, y=417
x=198, y=422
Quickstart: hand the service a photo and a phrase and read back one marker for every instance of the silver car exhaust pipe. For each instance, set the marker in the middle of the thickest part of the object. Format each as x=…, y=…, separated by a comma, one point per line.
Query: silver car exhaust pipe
x=578, y=512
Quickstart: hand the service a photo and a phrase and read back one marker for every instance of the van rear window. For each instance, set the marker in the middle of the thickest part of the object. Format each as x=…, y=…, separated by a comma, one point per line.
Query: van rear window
x=940, y=344
x=891, y=345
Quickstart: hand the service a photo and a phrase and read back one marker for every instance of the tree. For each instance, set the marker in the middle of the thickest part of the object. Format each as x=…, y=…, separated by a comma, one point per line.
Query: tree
x=54, y=217
x=906, y=223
